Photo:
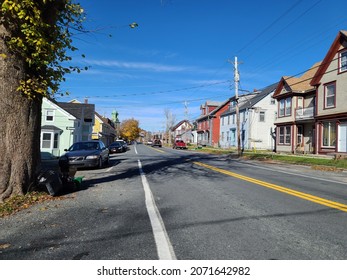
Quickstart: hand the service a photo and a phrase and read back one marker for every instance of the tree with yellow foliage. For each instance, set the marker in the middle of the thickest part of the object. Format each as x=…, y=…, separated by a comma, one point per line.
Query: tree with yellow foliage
x=129, y=129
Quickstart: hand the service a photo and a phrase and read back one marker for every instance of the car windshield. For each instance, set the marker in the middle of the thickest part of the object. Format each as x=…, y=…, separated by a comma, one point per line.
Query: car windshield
x=85, y=146
x=116, y=144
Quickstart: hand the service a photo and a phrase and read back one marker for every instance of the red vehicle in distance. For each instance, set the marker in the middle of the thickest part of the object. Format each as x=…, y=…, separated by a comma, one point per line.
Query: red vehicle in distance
x=179, y=144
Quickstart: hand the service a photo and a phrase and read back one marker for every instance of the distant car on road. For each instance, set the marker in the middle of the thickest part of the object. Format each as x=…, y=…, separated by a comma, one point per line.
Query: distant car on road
x=157, y=142
x=85, y=154
x=149, y=142
x=179, y=144
x=116, y=147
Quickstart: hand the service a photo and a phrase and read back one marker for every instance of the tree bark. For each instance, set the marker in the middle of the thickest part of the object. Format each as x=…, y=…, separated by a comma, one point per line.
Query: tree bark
x=20, y=123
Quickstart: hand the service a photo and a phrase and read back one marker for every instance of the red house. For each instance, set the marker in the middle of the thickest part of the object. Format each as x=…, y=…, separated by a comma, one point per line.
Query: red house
x=208, y=124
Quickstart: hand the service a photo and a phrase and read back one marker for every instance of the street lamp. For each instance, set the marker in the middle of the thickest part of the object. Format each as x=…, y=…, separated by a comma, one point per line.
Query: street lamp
x=133, y=25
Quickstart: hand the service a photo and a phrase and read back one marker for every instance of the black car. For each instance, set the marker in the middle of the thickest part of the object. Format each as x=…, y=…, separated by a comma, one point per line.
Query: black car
x=116, y=147
x=123, y=144
x=85, y=154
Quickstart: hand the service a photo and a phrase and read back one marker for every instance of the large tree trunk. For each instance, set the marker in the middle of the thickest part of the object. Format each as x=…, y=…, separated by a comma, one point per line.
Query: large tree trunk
x=20, y=122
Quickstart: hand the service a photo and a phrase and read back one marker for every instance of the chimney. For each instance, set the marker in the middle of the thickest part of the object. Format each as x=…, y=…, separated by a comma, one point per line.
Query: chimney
x=85, y=100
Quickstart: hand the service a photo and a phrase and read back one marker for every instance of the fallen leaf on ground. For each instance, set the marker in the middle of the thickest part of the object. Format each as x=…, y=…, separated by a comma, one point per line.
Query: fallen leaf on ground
x=5, y=246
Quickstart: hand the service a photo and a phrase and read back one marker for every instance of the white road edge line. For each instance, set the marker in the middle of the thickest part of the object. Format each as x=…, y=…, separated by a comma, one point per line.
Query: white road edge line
x=162, y=241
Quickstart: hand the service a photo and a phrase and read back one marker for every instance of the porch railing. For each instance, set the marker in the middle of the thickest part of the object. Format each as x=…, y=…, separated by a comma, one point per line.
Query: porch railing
x=304, y=113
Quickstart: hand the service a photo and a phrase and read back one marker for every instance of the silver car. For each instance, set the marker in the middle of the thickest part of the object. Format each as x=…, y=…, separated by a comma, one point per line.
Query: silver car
x=85, y=154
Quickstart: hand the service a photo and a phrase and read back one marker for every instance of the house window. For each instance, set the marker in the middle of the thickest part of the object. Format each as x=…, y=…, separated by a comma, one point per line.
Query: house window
x=282, y=102
x=287, y=135
x=272, y=101
x=227, y=136
x=329, y=134
x=222, y=120
x=343, y=61
x=285, y=108
x=288, y=106
x=262, y=116
x=46, y=140
x=228, y=120
x=233, y=118
x=222, y=137
x=49, y=115
x=49, y=142
x=284, y=135
x=329, y=95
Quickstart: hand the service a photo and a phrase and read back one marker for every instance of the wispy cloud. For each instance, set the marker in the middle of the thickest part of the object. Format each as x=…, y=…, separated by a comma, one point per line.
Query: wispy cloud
x=138, y=65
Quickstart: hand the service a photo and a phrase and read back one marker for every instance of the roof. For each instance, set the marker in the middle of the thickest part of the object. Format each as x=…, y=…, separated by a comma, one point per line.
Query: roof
x=180, y=123
x=250, y=99
x=79, y=110
x=303, y=83
x=334, y=48
x=259, y=96
x=50, y=127
x=214, y=103
x=300, y=84
x=210, y=103
x=103, y=119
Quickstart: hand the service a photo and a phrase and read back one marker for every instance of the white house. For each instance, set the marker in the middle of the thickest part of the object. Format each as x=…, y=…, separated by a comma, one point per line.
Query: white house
x=183, y=130
x=257, y=113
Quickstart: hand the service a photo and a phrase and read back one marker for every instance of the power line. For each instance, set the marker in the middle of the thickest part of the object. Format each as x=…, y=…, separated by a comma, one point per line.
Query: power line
x=269, y=26
x=168, y=103
x=289, y=24
x=160, y=92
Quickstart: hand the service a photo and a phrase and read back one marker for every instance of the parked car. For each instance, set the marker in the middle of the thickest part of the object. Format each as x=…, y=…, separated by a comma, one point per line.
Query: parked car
x=116, y=147
x=179, y=144
x=156, y=142
x=149, y=142
x=123, y=144
x=85, y=154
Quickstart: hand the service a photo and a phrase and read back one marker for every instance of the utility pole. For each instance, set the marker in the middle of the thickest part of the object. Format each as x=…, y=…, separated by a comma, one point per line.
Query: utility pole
x=237, y=80
x=186, y=114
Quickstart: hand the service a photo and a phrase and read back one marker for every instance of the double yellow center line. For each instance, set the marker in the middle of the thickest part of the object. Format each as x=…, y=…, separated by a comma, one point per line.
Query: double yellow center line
x=312, y=198
x=158, y=150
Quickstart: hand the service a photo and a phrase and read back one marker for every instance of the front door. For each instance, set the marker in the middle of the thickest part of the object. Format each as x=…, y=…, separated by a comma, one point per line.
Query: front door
x=342, y=143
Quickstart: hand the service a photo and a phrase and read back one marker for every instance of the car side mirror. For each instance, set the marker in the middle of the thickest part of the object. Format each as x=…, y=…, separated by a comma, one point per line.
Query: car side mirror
x=65, y=150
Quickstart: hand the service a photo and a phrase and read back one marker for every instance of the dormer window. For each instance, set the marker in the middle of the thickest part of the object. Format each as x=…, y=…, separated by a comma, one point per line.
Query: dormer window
x=343, y=61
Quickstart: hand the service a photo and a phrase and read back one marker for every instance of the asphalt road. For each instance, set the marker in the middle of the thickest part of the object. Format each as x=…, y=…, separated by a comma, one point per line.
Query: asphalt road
x=160, y=203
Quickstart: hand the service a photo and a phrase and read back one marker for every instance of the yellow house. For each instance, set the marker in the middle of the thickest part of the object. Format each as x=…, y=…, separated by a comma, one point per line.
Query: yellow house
x=103, y=129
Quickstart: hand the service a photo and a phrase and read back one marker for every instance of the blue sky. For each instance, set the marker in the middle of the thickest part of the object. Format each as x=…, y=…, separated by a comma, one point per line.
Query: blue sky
x=178, y=56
